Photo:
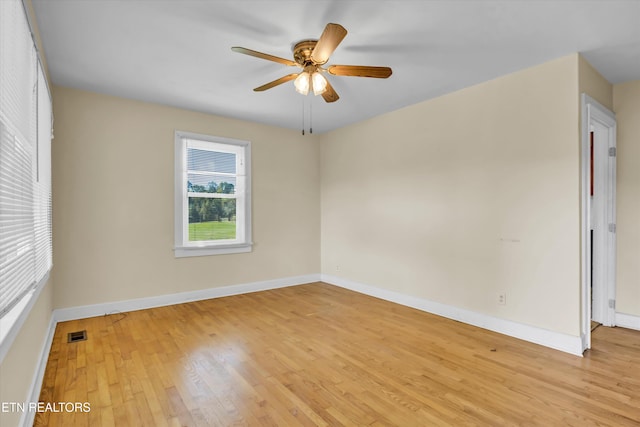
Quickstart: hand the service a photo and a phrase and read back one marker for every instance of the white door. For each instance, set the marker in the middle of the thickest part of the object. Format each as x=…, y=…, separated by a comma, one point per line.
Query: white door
x=598, y=216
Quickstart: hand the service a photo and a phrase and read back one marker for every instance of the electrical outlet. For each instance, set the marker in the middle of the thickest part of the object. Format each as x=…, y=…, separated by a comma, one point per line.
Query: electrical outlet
x=502, y=299
x=337, y=267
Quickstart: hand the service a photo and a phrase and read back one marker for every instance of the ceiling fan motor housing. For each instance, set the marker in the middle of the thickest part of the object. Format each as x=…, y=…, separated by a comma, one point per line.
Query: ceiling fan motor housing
x=302, y=52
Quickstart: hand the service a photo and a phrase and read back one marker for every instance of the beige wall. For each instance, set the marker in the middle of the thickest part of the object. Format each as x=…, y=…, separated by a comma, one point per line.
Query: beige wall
x=463, y=197
x=626, y=105
x=593, y=84
x=21, y=362
x=113, y=171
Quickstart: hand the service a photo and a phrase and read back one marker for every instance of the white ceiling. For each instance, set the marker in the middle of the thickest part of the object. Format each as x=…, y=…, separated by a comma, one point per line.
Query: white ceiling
x=178, y=52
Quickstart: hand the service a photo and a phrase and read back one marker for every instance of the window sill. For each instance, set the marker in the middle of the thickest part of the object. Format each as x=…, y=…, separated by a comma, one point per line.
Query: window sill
x=12, y=321
x=185, y=251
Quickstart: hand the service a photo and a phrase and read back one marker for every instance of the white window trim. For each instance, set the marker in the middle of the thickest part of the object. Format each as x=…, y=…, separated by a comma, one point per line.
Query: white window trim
x=181, y=249
x=12, y=321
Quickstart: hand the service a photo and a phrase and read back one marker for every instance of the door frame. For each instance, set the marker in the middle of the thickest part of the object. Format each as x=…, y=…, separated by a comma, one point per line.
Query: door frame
x=594, y=112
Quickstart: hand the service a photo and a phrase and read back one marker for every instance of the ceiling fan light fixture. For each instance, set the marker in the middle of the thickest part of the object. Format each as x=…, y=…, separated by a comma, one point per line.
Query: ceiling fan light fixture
x=319, y=83
x=302, y=83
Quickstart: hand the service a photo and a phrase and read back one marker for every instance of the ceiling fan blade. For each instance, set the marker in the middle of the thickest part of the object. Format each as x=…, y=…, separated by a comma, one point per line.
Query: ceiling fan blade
x=328, y=42
x=263, y=56
x=360, y=71
x=330, y=94
x=276, y=82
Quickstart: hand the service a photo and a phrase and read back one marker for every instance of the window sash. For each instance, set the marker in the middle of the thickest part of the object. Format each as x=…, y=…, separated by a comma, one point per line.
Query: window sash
x=42, y=197
x=238, y=193
x=212, y=195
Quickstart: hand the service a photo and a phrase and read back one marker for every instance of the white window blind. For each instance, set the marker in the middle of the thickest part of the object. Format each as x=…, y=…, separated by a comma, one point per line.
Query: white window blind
x=25, y=183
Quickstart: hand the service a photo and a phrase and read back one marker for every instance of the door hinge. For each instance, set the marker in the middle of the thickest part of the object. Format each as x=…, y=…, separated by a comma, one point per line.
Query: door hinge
x=612, y=303
x=612, y=228
x=612, y=151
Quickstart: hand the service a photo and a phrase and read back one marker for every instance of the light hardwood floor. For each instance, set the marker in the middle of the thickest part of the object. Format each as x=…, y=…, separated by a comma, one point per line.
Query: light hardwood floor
x=321, y=355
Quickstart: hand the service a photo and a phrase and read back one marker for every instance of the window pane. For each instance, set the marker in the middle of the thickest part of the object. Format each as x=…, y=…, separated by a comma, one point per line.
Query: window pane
x=210, y=161
x=199, y=183
x=212, y=219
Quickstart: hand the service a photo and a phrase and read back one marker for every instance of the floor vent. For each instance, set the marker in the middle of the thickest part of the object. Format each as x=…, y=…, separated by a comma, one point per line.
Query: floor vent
x=77, y=336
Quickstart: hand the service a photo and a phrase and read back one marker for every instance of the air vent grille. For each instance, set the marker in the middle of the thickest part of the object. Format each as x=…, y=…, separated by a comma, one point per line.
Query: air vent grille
x=77, y=336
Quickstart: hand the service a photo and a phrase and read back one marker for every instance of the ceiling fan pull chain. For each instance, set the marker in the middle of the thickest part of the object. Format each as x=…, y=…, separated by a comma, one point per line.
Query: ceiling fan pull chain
x=302, y=116
x=311, y=116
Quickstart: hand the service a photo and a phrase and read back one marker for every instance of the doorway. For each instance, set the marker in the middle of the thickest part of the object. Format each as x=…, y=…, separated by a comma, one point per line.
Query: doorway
x=598, y=225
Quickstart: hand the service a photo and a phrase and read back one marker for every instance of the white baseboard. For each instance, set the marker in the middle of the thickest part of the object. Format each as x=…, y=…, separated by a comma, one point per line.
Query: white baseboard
x=556, y=340
x=82, y=312
x=28, y=417
x=628, y=321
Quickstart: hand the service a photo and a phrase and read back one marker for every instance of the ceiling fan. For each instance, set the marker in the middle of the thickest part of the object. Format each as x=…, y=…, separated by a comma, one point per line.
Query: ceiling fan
x=311, y=55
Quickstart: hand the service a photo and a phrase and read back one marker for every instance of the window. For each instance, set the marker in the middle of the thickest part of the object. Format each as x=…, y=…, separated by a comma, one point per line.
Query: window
x=25, y=165
x=212, y=195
